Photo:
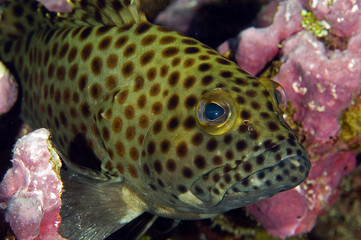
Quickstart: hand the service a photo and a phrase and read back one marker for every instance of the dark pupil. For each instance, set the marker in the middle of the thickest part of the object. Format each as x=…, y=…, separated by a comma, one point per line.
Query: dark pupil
x=213, y=111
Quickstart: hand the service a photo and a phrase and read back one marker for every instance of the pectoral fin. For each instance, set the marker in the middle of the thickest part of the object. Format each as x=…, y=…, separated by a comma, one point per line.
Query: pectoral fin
x=94, y=209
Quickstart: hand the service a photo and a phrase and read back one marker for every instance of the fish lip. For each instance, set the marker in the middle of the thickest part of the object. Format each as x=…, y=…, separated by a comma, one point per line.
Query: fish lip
x=228, y=196
x=304, y=159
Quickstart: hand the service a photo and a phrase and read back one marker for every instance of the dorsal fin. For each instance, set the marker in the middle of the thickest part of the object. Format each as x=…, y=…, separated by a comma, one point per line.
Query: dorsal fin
x=21, y=17
x=103, y=12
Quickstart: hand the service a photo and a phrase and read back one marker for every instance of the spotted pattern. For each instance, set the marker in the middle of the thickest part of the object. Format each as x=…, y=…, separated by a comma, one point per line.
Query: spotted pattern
x=133, y=93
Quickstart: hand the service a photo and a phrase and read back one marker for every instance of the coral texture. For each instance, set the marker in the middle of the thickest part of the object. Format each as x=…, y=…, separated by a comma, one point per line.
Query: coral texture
x=30, y=190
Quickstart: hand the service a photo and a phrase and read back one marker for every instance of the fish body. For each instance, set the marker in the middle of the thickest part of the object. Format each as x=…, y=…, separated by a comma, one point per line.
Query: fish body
x=176, y=129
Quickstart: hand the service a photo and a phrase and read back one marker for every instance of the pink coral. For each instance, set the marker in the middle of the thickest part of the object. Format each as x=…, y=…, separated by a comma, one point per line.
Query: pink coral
x=320, y=83
x=30, y=190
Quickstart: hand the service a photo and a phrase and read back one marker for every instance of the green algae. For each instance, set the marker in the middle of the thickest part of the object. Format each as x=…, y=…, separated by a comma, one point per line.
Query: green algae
x=319, y=28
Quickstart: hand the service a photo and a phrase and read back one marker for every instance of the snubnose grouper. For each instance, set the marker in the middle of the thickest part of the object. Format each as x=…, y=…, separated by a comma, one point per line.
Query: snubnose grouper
x=176, y=129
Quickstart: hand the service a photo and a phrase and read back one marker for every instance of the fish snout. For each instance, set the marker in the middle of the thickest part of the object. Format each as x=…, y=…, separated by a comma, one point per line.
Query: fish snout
x=256, y=178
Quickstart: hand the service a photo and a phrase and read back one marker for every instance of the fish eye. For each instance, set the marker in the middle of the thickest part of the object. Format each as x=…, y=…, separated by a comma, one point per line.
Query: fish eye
x=216, y=112
x=281, y=97
x=213, y=111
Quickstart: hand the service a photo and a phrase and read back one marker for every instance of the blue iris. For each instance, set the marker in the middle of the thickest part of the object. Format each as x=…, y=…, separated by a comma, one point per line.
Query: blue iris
x=213, y=111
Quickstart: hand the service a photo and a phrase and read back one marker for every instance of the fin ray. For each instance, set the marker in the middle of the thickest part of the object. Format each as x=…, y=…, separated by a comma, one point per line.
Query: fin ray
x=95, y=13
x=92, y=209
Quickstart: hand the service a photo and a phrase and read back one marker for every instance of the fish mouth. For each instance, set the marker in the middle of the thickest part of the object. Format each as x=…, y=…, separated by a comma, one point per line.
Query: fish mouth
x=236, y=188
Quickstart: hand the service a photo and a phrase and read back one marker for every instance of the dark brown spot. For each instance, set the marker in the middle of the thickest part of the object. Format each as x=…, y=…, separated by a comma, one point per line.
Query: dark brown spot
x=212, y=145
x=63, y=119
x=129, y=50
x=189, y=82
x=127, y=69
x=96, y=65
x=141, y=101
x=143, y=121
x=142, y=28
x=83, y=80
x=63, y=50
x=164, y=70
x=171, y=165
x=182, y=149
x=105, y=43
x=200, y=162
x=129, y=112
x=251, y=93
x=164, y=146
x=146, y=58
x=151, y=147
x=176, y=61
x=151, y=74
x=60, y=73
x=197, y=139
x=273, y=126
x=121, y=41
x=86, y=51
x=85, y=110
x=173, y=124
x=85, y=33
x=130, y=133
x=157, y=127
x=189, y=62
x=223, y=61
x=133, y=153
x=73, y=71
x=154, y=90
x=103, y=29
x=227, y=139
x=187, y=172
x=173, y=78
x=203, y=57
x=149, y=39
x=270, y=106
x=119, y=148
x=173, y=102
x=204, y=67
x=170, y=51
x=229, y=155
x=206, y=80
x=138, y=84
x=112, y=61
x=226, y=74
x=245, y=114
x=189, y=41
x=190, y=101
x=247, y=167
x=191, y=50
x=189, y=123
x=133, y=171
x=217, y=160
x=167, y=40
x=117, y=125
x=182, y=189
x=241, y=145
x=157, y=108
x=105, y=133
x=95, y=91
x=111, y=82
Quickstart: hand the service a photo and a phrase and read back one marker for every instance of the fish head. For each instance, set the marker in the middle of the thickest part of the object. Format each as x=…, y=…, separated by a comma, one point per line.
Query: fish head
x=222, y=143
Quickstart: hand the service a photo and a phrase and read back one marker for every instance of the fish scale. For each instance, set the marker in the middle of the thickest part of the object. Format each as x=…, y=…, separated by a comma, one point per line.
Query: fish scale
x=139, y=95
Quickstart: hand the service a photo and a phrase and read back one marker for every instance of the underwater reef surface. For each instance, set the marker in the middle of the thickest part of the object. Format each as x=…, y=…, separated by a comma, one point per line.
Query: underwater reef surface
x=313, y=48
x=30, y=190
